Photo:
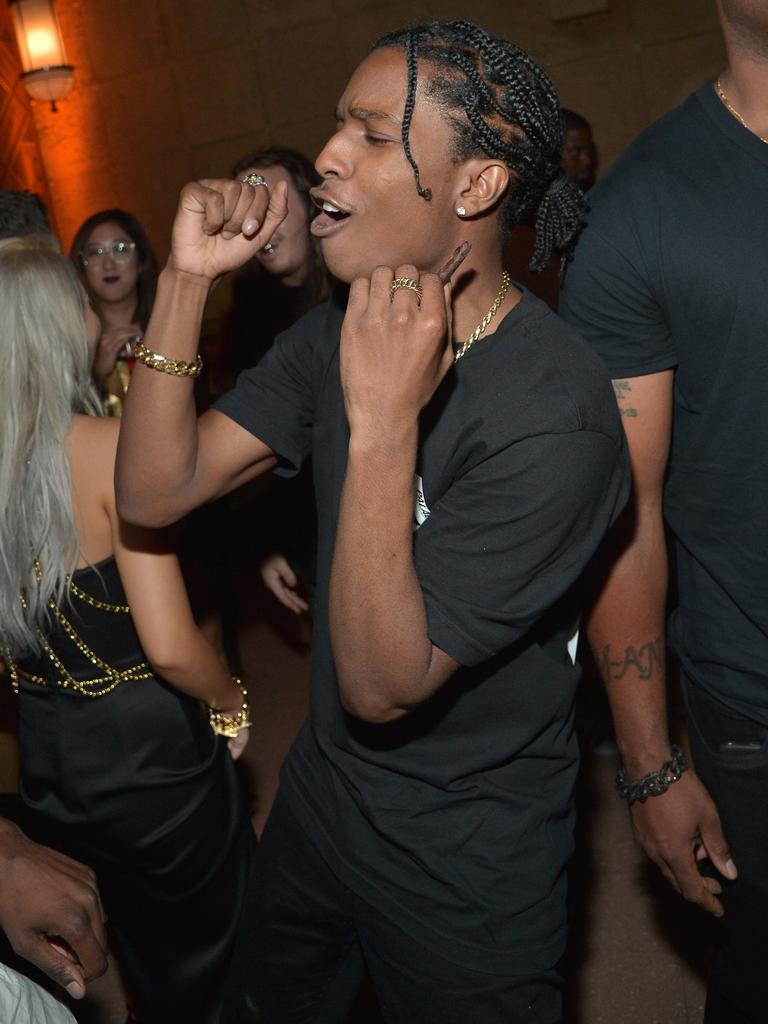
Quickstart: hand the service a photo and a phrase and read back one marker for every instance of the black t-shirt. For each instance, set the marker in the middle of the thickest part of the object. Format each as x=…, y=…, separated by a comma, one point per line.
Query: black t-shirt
x=456, y=819
x=671, y=271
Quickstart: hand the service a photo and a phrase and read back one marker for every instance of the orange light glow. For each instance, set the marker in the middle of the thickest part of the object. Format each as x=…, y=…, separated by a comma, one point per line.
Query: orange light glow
x=37, y=33
x=43, y=46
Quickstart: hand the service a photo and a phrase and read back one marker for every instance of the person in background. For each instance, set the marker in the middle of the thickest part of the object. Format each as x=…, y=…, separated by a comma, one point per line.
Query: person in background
x=121, y=767
x=291, y=279
x=579, y=149
x=116, y=263
x=283, y=282
x=23, y=215
x=43, y=893
x=668, y=285
x=579, y=162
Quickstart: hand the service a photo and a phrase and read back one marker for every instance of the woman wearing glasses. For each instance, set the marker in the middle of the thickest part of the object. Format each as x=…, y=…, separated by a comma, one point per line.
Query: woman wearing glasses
x=116, y=264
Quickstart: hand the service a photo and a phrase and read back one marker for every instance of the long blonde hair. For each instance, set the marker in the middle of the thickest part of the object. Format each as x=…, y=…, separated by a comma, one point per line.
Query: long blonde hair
x=45, y=377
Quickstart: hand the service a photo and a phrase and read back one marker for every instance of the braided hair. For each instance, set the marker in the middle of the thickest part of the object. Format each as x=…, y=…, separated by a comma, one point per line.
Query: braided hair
x=499, y=102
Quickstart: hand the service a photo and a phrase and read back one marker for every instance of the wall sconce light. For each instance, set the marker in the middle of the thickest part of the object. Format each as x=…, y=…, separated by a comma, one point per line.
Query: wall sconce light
x=45, y=72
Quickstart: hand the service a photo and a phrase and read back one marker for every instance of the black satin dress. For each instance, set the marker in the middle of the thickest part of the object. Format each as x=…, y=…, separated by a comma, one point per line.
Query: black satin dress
x=134, y=783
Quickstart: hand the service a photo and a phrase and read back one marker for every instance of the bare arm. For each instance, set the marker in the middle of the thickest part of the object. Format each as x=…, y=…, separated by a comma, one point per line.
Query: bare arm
x=625, y=629
x=149, y=570
x=174, y=646
x=385, y=661
x=392, y=359
x=167, y=464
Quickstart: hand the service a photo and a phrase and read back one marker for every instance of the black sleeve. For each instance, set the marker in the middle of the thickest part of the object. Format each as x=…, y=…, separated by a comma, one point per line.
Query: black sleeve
x=276, y=400
x=512, y=535
x=610, y=295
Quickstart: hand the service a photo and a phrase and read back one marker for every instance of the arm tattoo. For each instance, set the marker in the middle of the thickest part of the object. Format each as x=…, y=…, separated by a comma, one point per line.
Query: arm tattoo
x=646, y=661
x=621, y=389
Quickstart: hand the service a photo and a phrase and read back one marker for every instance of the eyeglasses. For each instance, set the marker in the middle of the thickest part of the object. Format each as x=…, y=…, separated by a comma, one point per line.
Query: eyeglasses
x=119, y=251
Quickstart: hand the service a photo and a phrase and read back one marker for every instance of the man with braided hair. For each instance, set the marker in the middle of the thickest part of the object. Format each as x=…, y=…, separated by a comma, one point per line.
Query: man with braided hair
x=468, y=458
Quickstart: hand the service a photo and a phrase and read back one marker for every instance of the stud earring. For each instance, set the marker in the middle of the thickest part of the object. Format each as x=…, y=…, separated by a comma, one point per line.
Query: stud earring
x=461, y=211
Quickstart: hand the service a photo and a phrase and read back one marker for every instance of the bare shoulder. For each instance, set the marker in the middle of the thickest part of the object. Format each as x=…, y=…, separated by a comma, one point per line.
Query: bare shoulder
x=98, y=429
x=92, y=445
x=93, y=438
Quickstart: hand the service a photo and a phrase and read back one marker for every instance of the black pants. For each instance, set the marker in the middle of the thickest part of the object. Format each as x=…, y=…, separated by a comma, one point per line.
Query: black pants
x=731, y=756
x=317, y=938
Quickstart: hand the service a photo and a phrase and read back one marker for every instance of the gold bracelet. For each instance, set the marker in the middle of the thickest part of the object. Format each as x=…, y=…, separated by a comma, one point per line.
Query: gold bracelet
x=230, y=725
x=176, y=367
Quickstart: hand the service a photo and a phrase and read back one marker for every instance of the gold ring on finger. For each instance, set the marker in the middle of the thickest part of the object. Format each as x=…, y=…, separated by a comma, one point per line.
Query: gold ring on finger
x=405, y=282
x=256, y=179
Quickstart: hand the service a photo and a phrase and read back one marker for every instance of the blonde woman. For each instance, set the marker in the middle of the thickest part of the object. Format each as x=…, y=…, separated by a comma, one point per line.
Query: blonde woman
x=120, y=762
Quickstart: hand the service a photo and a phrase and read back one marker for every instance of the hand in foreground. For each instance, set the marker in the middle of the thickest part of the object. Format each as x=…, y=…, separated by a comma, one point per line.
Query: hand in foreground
x=677, y=830
x=221, y=223
x=111, y=344
x=280, y=579
x=396, y=344
x=51, y=911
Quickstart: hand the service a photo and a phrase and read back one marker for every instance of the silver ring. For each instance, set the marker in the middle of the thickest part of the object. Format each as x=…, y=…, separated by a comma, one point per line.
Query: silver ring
x=256, y=179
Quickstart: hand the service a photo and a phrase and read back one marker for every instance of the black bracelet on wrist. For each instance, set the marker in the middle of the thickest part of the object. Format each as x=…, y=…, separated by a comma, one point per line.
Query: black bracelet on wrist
x=654, y=783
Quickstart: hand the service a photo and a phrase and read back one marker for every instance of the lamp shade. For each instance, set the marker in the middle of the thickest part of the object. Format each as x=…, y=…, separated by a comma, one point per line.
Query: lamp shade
x=46, y=74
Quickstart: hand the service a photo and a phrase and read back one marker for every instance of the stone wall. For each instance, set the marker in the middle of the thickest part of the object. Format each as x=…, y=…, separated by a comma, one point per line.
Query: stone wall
x=171, y=89
x=21, y=165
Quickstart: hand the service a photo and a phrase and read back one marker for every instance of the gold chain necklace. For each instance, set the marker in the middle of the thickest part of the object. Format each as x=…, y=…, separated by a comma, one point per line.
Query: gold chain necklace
x=734, y=111
x=462, y=351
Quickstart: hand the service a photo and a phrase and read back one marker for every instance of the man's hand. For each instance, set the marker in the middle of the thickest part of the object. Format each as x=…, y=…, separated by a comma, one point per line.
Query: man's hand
x=395, y=347
x=678, y=829
x=221, y=223
x=111, y=344
x=51, y=911
x=280, y=579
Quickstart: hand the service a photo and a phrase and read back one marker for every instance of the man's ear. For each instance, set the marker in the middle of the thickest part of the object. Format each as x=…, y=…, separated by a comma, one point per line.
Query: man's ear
x=483, y=186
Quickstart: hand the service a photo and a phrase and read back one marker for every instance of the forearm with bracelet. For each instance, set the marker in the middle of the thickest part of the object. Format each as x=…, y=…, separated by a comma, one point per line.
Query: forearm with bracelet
x=654, y=783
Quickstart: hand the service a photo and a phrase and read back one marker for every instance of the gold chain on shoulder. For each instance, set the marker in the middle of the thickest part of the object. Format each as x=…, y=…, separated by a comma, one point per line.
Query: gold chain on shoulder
x=95, y=687
x=93, y=601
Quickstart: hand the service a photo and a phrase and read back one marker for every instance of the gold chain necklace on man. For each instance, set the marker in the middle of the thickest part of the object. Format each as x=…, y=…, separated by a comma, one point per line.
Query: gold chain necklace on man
x=734, y=111
x=462, y=351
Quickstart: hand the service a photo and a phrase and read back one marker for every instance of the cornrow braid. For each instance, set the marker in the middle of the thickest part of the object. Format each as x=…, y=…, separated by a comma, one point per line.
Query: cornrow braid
x=500, y=103
x=410, y=102
x=507, y=65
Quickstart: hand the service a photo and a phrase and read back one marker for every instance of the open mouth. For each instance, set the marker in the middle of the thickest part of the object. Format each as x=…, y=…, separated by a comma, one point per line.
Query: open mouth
x=330, y=218
x=112, y=279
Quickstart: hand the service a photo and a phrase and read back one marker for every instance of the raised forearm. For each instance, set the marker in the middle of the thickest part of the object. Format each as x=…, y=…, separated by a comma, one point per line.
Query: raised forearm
x=377, y=615
x=393, y=355
x=158, y=437
x=625, y=630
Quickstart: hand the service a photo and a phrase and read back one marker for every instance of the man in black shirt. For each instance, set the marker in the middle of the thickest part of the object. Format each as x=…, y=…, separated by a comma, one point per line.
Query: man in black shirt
x=668, y=283
x=424, y=818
